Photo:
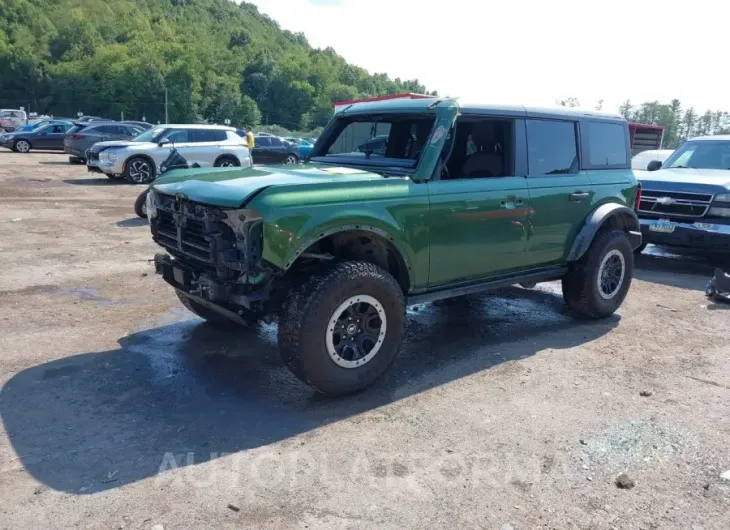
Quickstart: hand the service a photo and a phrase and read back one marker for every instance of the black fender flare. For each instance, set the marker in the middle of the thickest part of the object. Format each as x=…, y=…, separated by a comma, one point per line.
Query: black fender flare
x=616, y=214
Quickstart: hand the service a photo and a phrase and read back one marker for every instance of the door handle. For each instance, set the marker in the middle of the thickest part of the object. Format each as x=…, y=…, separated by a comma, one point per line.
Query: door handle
x=579, y=196
x=510, y=202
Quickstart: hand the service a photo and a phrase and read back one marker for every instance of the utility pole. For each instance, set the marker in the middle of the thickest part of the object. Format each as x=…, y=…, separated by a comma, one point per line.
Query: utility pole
x=167, y=118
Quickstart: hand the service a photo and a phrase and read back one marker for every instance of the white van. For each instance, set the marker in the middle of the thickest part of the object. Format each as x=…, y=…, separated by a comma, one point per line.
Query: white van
x=11, y=119
x=641, y=160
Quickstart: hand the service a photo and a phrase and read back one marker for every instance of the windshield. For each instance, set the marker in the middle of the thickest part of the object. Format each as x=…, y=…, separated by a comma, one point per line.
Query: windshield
x=705, y=154
x=153, y=135
x=377, y=140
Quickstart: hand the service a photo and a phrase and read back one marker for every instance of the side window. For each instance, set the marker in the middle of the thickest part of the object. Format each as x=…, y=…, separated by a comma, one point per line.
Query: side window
x=275, y=142
x=105, y=129
x=208, y=135
x=480, y=148
x=552, y=147
x=178, y=136
x=133, y=131
x=606, y=144
x=58, y=129
x=263, y=141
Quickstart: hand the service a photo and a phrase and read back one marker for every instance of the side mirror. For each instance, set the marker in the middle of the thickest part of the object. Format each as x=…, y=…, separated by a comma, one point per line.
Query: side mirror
x=163, y=142
x=654, y=165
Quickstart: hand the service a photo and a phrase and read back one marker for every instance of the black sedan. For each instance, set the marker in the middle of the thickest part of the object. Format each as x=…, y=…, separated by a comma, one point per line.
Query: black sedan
x=274, y=150
x=49, y=137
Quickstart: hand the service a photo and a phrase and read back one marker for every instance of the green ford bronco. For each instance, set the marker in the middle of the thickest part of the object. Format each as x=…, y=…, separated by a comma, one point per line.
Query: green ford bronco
x=399, y=203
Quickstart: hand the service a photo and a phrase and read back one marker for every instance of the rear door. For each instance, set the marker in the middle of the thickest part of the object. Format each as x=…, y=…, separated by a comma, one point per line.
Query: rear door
x=56, y=136
x=206, y=145
x=561, y=193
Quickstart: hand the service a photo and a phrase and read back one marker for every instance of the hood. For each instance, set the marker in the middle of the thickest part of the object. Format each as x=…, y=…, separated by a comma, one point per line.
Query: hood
x=688, y=179
x=100, y=146
x=231, y=187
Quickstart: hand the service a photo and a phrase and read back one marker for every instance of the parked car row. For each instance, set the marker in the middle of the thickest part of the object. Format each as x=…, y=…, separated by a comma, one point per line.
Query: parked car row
x=139, y=160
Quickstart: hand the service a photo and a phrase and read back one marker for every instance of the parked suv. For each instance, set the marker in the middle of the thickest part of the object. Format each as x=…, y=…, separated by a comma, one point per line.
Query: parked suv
x=685, y=201
x=83, y=135
x=462, y=200
x=139, y=160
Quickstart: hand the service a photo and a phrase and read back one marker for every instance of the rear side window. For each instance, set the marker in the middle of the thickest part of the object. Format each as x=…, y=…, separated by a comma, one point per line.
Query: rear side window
x=75, y=129
x=209, y=135
x=263, y=141
x=105, y=129
x=552, y=147
x=606, y=144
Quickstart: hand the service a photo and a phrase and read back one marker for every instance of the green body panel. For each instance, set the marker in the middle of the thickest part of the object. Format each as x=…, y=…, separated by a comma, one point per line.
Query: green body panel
x=554, y=220
x=396, y=208
x=478, y=228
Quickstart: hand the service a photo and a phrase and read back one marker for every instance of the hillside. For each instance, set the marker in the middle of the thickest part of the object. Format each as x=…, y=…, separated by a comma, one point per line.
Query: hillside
x=217, y=60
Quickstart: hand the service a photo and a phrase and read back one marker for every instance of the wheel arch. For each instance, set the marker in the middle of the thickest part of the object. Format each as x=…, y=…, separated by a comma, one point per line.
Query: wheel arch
x=226, y=155
x=611, y=215
x=25, y=139
x=140, y=155
x=360, y=242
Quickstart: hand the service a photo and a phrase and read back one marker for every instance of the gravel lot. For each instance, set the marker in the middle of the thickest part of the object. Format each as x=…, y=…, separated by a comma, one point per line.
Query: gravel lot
x=122, y=410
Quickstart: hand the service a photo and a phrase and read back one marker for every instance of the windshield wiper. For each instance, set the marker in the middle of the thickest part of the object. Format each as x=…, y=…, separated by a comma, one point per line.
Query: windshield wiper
x=677, y=167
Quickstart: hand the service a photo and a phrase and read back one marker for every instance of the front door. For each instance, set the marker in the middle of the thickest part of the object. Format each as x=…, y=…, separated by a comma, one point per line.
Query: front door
x=561, y=195
x=479, y=204
x=50, y=138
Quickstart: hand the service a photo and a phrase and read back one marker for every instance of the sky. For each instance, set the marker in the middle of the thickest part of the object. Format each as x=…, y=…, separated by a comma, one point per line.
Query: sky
x=529, y=51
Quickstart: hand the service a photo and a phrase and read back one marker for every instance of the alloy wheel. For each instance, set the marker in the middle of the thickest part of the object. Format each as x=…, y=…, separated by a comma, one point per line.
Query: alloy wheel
x=356, y=331
x=140, y=171
x=611, y=274
x=22, y=146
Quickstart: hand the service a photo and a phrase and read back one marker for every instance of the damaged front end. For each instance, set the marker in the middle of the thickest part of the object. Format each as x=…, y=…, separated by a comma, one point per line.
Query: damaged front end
x=214, y=254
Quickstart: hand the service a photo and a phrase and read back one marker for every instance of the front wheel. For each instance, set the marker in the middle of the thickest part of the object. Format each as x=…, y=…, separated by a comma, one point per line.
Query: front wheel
x=21, y=146
x=342, y=329
x=597, y=283
x=139, y=170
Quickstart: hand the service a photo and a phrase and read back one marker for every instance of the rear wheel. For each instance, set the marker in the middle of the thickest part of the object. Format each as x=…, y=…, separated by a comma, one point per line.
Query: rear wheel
x=291, y=159
x=343, y=328
x=597, y=283
x=227, y=161
x=21, y=146
x=139, y=170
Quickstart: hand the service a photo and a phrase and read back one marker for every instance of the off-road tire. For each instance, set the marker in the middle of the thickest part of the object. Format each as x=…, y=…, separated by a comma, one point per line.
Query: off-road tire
x=580, y=284
x=140, y=207
x=211, y=316
x=305, y=318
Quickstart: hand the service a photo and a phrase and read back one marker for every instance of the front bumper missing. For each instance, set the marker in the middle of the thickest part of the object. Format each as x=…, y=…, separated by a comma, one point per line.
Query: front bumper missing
x=201, y=290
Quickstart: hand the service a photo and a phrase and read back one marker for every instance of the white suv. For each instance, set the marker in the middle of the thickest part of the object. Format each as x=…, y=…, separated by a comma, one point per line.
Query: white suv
x=139, y=160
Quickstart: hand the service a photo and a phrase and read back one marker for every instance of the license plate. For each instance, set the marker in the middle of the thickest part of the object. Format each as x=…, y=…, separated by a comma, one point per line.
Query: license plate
x=707, y=227
x=666, y=227
x=179, y=276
